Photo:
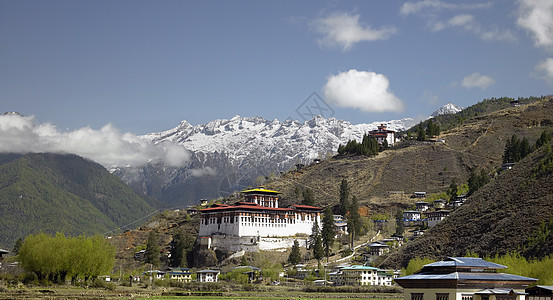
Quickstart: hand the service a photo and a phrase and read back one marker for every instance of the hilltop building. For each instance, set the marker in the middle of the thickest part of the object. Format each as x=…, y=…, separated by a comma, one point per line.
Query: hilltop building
x=463, y=278
x=382, y=134
x=256, y=223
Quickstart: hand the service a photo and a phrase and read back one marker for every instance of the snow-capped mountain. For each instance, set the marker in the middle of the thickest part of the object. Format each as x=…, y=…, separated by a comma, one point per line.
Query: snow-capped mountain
x=449, y=108
x=229, y=154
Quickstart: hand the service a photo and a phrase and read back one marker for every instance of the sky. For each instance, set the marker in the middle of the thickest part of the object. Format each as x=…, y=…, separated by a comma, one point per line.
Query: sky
x=133, y=67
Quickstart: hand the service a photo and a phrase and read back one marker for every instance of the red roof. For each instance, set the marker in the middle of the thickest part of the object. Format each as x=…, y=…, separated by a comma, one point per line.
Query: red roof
x=257, y=207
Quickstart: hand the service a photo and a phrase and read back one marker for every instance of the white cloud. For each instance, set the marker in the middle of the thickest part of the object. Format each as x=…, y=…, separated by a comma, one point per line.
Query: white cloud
x=545, y=70
x=367, y=91
x=536, y=16
x=106, y=146
x=343, y=30
x=477, y=80
x=206, y=171
x=434, y=5
x=469, y=24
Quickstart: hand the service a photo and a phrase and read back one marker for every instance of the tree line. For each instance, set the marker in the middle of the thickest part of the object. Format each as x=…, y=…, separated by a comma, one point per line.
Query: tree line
x=368, y=146
x=57, y=257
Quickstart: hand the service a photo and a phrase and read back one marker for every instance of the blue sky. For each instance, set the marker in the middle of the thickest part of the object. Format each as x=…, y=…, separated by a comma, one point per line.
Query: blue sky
x=143, y=66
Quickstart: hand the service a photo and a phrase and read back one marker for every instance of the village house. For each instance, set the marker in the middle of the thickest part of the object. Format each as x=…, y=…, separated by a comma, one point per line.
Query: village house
x=377, y=248
x=540, y=292
x=422, y=206
x=419, y=195
x=358, y=275
x=411, y=218
x=382, y=134
x=439, y=203
x=208, y=275
x=463, y=278
x=180, y=274
x=435, y=217
x=340, y=225
x=256, y=223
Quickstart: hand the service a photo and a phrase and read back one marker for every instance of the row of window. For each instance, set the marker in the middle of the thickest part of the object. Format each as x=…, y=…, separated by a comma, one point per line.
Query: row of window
x=439, y=296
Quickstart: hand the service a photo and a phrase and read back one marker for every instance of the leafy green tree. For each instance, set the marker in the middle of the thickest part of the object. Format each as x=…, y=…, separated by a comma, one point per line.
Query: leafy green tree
x=151, y=256
x=295, y=255
x=344, y=197
x=328, y=232
x=308, y=197
x=476, y=181
x=316, y=242
x=55, y=257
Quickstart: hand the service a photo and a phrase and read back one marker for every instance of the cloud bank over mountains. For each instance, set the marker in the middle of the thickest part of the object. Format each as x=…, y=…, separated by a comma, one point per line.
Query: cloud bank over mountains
x=107, y=146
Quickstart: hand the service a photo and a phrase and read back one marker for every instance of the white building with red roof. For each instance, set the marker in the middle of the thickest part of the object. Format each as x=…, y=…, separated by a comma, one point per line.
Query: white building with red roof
x=255, y=218
x=383, y=134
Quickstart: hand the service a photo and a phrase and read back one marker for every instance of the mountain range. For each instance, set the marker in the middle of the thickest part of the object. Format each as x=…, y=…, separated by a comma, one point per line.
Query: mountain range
x=231, y=154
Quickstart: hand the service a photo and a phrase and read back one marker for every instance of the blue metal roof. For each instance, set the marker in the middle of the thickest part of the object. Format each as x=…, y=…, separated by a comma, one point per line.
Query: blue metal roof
x=468, y=262
x=468, y=276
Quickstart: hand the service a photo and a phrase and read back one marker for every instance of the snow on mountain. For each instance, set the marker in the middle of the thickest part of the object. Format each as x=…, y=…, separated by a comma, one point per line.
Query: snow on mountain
x=229, y=154
x=248, y=137
x=449, y=108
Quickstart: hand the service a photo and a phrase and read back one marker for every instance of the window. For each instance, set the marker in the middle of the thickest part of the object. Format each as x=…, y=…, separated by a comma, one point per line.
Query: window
x=442, y=296
x=466, y=296
x=417, y=296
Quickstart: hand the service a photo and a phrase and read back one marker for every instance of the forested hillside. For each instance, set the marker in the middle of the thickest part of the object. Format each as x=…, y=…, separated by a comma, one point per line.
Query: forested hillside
x=54, y=192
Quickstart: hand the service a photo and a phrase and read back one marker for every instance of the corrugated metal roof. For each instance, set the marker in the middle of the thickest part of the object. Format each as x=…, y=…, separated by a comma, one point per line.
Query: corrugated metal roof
x=468, y=276
x=468, y=262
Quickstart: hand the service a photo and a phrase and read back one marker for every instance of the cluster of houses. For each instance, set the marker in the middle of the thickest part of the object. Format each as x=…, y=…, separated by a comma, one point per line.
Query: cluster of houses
x=430, y=213
x=182, y=275
x=359, y=275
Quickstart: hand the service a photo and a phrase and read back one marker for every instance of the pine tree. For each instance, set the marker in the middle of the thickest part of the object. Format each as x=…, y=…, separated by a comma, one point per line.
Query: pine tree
x=295, y=256
x=354, y=220
x=344, y=197
x=180, y=246
x=151, y=256
x=328, y=232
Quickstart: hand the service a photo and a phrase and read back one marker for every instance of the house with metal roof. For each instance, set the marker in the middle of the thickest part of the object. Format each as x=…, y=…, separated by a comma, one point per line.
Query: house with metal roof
x=361, y=275
x=540, y=292
x=464, y=278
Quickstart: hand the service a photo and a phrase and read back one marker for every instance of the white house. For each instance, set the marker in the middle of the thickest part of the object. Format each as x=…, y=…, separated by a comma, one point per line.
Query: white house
x=422, y=206
x=463, y=278
x=435, y=217
x=208, y=275
x=361, y=275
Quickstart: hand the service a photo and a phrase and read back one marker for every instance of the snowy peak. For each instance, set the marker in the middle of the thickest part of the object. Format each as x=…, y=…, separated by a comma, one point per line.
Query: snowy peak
x=447, y=109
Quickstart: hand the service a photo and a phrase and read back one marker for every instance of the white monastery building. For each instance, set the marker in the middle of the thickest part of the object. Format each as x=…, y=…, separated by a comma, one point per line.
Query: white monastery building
x=256, y=223
x=382, y=134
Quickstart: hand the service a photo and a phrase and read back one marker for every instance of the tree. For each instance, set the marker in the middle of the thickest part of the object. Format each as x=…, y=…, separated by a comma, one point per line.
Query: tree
x=308, y=197
x=355, y=224
x=421, y=134
x=17, y=246
x=452, y=191
x=295, y=256
x=181, y=245
x=344, y=197
x=55, y=257
x=400, y=228
x=316, y=242
x=328, y=232
x=544, y=138
x=151, y=255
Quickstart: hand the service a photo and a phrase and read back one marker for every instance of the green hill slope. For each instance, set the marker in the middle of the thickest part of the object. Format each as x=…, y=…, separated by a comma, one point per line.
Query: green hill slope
x=53, y=192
